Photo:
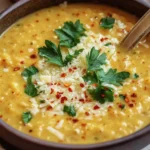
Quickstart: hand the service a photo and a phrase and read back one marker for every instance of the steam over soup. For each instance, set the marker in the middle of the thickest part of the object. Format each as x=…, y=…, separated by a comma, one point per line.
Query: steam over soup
x=64, y=78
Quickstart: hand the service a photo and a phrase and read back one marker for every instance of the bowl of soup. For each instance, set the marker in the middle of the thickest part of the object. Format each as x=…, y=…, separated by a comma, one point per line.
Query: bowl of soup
x=65, y=82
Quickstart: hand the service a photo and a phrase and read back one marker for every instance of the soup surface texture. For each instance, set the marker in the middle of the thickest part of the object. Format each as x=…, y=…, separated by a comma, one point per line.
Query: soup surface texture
x=64, y=78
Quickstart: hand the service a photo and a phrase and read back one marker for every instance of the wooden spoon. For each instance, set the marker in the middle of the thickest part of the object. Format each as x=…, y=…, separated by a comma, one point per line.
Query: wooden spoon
x=139, y=31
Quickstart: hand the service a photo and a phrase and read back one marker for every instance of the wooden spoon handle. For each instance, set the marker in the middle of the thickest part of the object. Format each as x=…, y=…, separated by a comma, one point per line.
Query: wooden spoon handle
x=140, y=30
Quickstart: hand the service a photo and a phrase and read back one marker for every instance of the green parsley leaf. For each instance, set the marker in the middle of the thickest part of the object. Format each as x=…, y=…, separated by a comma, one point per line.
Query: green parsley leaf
x=95, y=60
x=70, y=57
x=70, y=110
x=107, y=44
x=112, y=76
x=42, y=101
x=70, y=33
x=90, y=78
x=122, y=96
x=51, y=53
x=30, y=88
x=107, y=23
x=26, y=117
x=102, y=94
x=29, y=71
x=135, y=76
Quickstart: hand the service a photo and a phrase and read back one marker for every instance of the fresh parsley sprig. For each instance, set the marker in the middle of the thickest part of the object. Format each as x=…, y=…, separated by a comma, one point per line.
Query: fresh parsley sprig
x=112, y=76
x=102, y=94
x=28, y=72
x=70, y=110
x=51, y=53
x=107, y=22
x=54, y=55
x=70, y=57
x=90, y=77
x=26, y=117
x=70, y=33
x=95, y=60
x=30, y=88
x=96, y=75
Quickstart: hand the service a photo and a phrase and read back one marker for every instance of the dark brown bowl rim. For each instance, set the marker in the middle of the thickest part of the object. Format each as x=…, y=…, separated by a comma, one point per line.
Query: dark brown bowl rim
x=74, y=146
x=60, y=145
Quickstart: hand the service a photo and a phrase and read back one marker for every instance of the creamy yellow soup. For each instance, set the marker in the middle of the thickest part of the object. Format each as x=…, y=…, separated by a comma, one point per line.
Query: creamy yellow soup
x=60, y=86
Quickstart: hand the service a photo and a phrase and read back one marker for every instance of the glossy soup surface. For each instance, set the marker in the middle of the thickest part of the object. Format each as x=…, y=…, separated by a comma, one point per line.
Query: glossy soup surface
x=64, y=86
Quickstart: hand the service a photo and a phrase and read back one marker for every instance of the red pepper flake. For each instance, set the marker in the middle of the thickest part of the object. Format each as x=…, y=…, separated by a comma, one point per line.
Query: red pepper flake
x=77, y=14
x=63, y=99
x=21, y=62
x=70, y=70
x=33, y=56
x=63, y=75
x=121, y=106
x=103, y=39
x=74, y=68
x=47, y=19
x=16, y=68
x=75, y=120
x=37, y=21
x=58, y=95
x=133, y=95
x=130, y=105
x=81, y=100
x=81, y=85
x=92, y=25
x=109, y=107
x=69, y=89
x=88, y=100
x=49, y=108
x=30, y=131
x=83, y=124
x=83, y=137
x=85, y=94
x=109, y=14
x=58, y=84
x=21, y=51
x=126, y=100
x=58, y=14
x=87, y=113
x=96, y=107
x=60, y=92
x=1, y=116
x=52, y=91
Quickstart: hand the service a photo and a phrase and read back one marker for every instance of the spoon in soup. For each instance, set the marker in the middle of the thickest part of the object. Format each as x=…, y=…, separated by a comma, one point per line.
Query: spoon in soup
x=139, y=31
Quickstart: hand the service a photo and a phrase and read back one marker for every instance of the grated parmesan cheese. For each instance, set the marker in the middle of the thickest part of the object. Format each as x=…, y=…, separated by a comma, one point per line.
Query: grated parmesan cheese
x=56, y=132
